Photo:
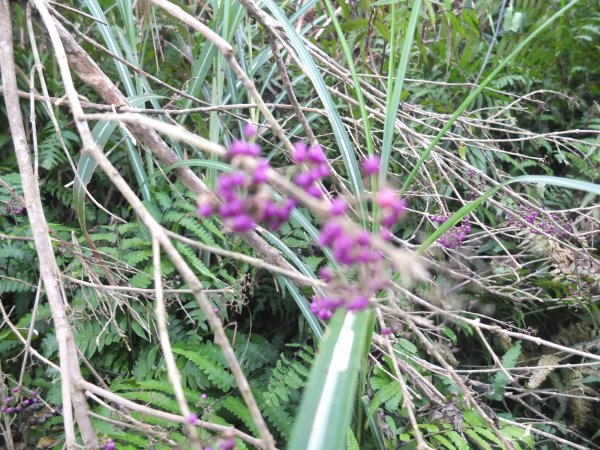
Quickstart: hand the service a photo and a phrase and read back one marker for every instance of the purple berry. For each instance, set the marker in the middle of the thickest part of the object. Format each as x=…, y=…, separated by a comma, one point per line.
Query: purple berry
x=205, y=210
x=386, y=331
x=192, y=419
x=232, y=209
x=10, y=410
x=300, y=152
x=228, y=444
x=322, y=171
x=9, y=399
x=389, y=220
x=324, y=314
x=386, y=198
x=253, y=149
x=26, y=402
x=316, y=155
x=386, y=234
x=330, y=232
x=326, y=274
x=239, y=148
x=250, y=130
x=358, y=304
x=15, y=390
x=315, y=191
x=204, y=396
x=260, y=173
x=242, y=223
x=371, y=165
x=400, y=207
x=19, y=408
x=303, y=179
x=364, y=238
x=338, y=207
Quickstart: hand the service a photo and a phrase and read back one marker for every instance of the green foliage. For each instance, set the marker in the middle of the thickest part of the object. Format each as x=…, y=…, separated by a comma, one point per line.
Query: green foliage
x=538, y=117
x=500, y=380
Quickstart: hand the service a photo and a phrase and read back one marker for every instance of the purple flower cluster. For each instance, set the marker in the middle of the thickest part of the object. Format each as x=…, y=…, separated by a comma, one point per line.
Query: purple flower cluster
x=545, y=221
x=348, y=249
x=392, y=209
x=12, y=404
x=318, y=168
x=110, y=445
x=352, y=297
x=455, y=236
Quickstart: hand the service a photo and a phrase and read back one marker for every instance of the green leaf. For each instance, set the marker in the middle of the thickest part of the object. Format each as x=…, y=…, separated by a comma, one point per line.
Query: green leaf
x=480, y=442
x=457, y=439
x=475, y=92
x=500, y=380
x=205, y=357
x=328, y=400
x=352, y=442
x=395, y=90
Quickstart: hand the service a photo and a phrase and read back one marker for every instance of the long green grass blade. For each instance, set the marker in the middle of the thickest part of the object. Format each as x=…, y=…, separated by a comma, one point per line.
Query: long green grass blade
x=138, y=168
x=349, y=60
x=112, y=43
x=327, y=403
x=304, y=307
x=471, y=206
x=339, y=131
x=393, y=100
x=475, y=92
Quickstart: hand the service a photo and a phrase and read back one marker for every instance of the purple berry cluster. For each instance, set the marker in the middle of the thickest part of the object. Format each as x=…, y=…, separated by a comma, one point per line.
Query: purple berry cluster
x=318, y=168
x=109, y=445
x=355, y=251
x=455, y=236
x=14, y=405
x=245, y=202
x=13, y=208
x=544, y=221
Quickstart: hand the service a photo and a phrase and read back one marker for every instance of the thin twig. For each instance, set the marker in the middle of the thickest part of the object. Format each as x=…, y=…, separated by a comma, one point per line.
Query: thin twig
x=165, y=343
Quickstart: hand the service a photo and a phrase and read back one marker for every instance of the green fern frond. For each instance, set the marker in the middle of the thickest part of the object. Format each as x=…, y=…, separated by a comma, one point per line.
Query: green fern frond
x=209, y=360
